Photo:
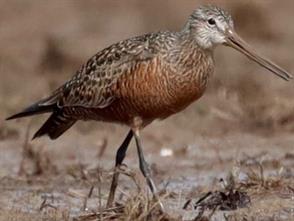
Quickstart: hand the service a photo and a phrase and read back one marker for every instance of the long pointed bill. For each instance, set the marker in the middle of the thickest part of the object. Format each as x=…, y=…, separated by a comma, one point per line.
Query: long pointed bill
x=234, y=41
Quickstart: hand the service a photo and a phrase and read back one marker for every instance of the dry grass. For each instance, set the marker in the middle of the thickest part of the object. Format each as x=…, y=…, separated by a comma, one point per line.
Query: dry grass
x=259, y=195
x=256, y=197
x=49, y=215
x=7, y=132
x=35, y=161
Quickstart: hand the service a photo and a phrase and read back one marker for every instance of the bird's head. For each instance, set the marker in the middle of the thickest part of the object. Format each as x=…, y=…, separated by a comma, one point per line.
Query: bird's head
x=211, y=26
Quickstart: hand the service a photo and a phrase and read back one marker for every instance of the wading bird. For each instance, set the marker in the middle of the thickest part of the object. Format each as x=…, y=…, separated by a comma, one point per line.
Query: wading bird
x=145, y=78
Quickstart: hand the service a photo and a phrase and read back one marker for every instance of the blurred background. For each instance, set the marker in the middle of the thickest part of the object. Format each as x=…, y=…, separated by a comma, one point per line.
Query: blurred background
x=43, y=43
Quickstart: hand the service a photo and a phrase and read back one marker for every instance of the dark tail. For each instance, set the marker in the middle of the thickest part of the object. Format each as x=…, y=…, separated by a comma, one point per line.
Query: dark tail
x=55, y=126
x=33, y=110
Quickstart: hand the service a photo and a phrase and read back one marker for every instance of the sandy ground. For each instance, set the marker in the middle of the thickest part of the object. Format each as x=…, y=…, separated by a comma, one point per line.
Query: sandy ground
x=243, y=125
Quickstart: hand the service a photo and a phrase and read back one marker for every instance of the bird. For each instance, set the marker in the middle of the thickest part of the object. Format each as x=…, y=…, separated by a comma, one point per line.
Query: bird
x=142, y=79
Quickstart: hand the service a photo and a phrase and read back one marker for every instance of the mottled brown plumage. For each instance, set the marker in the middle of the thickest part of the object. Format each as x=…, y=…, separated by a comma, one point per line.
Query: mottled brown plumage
x=151, y=76
x=144, y=78
x=148, y=88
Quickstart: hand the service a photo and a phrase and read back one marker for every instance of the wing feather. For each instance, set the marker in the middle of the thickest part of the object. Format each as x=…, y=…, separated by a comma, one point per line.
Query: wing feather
x=92, y=84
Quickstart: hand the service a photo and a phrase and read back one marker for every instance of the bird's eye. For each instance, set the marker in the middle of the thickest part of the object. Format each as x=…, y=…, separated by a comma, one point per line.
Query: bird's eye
x=211, y=21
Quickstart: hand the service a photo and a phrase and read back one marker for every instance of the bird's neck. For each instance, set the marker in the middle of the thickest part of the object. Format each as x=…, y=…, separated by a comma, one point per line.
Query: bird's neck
x=188, y=62
x=186, y=51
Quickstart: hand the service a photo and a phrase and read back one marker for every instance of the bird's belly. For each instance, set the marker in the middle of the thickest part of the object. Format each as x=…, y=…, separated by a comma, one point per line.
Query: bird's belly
x=178, y=103
x=157, y=106
x=148, y=108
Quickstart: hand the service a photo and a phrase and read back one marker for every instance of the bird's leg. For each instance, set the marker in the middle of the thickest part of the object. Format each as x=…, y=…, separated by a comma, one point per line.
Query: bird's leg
x=145, y=169
x=120, y=155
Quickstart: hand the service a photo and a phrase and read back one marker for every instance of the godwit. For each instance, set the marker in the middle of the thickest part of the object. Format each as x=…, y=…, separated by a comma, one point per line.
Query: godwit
x=142, y=79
